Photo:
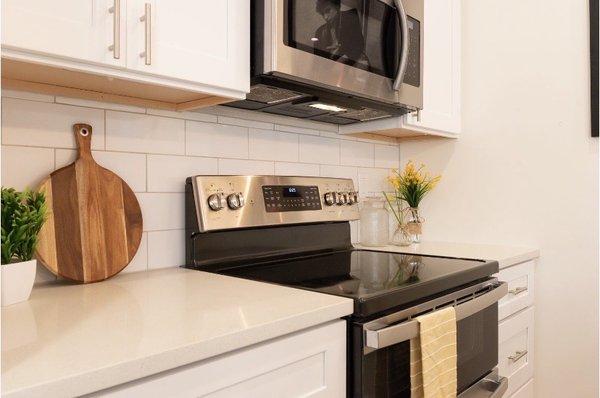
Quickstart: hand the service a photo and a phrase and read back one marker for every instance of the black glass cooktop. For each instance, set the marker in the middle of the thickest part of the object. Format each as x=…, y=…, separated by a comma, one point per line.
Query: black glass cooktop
x=377, y=281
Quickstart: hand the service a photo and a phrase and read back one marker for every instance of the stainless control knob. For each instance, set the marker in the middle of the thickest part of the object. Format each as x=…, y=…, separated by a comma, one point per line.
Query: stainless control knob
x=330, y=198
x=217, y=201
x=236, y=201
x=351, y=198
x=342, y=198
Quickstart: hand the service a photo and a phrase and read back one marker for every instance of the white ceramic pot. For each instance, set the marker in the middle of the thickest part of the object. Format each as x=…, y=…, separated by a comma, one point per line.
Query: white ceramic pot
x=17, y=281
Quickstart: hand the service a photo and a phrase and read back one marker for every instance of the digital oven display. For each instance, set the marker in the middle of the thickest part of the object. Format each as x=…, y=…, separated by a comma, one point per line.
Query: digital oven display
x=280, y=198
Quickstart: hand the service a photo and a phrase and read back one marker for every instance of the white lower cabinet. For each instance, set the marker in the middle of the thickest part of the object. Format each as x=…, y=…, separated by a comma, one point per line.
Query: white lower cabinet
x=524, y=392
x=310, y=363
x=520, y=289
x=515, y=351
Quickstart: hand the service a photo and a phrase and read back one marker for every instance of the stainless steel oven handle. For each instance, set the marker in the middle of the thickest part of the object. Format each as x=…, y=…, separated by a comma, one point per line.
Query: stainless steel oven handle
x=405, y=40
x=491, y=386
x=376, y=339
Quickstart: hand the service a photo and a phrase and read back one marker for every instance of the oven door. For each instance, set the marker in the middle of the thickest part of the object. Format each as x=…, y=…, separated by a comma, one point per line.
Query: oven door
x=366, y=48
x=381, y=365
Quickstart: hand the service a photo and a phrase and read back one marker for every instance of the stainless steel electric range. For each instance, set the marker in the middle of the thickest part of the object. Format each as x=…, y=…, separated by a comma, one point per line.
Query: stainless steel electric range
x=295, y=231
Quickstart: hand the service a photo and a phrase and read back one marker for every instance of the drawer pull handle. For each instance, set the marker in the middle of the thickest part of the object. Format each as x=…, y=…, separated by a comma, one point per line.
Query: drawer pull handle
x=517, y=355
x=116, y=46
x=517, y=290
x=147, y=20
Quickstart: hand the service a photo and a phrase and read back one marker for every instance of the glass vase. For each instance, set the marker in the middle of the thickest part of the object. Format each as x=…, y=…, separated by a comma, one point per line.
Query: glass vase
x=401, y=236
x=414, y=224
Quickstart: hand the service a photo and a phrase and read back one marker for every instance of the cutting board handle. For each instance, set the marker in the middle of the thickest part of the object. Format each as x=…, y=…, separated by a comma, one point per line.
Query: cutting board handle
x=83, y=136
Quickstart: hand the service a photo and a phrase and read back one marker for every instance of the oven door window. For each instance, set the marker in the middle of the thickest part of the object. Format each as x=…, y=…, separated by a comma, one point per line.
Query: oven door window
x=361, y=33
x=386, y=372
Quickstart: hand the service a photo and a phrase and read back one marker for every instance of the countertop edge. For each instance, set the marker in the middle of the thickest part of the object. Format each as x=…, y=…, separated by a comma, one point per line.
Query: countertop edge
x=139, y=368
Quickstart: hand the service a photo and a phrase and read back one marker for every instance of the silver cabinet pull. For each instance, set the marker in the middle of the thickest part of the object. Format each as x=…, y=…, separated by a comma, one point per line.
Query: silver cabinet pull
x=405, y=39
x=147, y=20
x=115, y=10
x=517, y=290
x=517, y=355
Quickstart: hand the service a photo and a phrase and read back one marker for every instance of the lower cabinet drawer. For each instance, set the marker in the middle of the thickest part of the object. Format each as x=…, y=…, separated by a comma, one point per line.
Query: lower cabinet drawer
x=520, y=288
x=515, y=352
x=524, y=392
x=309, y=363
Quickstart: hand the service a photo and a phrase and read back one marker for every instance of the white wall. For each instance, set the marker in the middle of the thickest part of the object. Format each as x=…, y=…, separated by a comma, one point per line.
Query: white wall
x=525, y=171
x=154, y=151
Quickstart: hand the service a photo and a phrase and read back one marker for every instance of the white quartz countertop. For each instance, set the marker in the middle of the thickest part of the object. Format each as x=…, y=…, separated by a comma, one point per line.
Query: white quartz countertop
x=505, y=255
x=69, y=340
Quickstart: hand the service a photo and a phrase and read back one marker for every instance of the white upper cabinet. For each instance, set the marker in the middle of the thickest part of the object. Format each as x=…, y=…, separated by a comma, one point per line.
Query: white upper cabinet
x=171, y=54
x=72, y=29
x=441, y=80
x=441, y=74
x=196, y=40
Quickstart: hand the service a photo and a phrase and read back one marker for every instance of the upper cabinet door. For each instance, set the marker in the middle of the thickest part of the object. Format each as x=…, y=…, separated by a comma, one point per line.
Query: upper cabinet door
x=82, y=30
x=441, y=70
x=199, y=41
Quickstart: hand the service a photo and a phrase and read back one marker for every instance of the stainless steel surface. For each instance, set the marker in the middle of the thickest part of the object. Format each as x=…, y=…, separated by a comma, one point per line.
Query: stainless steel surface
x=296, y=65
x=253, y=213
x=115, y=10
x=404, y=39
x=517, y=355
x=517, y=290
x=491, y=386
x=147, y=20
x=378, y=333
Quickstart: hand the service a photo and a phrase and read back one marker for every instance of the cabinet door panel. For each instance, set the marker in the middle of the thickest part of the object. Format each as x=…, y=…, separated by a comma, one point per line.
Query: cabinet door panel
x=73, y=29
x=201, y=41
x=441, y=70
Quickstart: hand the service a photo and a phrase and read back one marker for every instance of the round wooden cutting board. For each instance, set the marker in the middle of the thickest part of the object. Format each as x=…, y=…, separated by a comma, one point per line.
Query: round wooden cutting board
x=94, y=224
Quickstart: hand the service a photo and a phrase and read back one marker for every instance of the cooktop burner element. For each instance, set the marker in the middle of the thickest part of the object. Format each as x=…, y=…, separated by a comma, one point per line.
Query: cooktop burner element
x=375, y=280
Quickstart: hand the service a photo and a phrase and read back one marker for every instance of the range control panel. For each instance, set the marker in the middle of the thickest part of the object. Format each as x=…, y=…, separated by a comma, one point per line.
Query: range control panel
x=291, y=198
x=229, y=202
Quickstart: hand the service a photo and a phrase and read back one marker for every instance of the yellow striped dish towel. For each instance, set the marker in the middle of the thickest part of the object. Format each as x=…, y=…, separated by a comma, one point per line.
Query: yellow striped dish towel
x=433, y=356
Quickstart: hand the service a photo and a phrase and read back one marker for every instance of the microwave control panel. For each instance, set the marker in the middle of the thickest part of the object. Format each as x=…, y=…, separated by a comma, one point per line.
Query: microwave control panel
x=413, y=67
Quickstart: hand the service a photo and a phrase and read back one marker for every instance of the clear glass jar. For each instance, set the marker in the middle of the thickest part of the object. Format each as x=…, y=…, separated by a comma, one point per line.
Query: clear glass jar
x=374, y=222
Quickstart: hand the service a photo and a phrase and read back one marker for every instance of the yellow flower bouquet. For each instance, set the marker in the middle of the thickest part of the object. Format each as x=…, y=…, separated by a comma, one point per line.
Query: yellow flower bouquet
x=410, y=187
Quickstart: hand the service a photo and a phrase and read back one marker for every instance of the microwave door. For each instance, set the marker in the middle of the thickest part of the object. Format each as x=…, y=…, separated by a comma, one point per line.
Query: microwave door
x=347, y=46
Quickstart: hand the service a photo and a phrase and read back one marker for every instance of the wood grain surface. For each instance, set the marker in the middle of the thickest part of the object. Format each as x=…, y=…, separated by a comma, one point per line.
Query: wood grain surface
x=94, y=225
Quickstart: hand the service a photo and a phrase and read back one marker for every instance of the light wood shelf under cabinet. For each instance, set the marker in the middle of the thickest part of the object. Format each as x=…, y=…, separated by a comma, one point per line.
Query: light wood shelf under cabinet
x=25, y=76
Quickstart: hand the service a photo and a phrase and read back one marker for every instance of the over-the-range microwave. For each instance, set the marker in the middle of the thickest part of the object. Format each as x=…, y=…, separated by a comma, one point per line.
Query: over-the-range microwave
x=336, y=61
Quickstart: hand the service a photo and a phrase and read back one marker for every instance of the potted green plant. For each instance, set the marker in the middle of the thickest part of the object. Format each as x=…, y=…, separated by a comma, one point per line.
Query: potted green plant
x=23, y=215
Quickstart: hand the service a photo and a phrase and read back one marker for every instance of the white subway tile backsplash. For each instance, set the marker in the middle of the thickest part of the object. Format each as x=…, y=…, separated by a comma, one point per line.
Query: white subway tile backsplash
x=250, y=167
x=216, y=140
x=272, y=145
x=296, y=169
x=162, y=211
x=140, y=260
x=319, y=150
x=245, y=123
x=166, y=249
x=168, y=173
x=298, y=130
x=131, y=167
x=25, y=167
x=373, y=181
x=98, y=104
x=387, y=156
x=354, y=153
x=31, y=123
x=199, y=117
x=155, y=151
x=132, y=132
x=26, y=95
x=340, y=172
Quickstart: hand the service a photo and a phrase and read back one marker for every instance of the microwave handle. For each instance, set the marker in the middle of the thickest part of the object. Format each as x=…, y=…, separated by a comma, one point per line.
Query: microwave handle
x=376, y=339
x=405, y=40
